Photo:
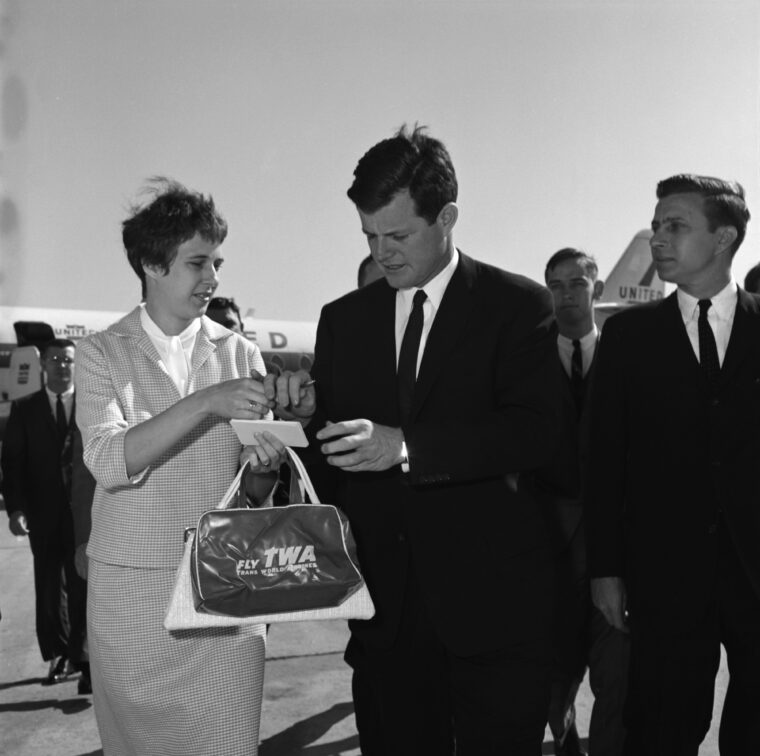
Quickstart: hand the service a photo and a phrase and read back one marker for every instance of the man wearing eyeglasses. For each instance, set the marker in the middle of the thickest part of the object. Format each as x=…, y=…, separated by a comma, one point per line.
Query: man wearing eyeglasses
x=36, y=465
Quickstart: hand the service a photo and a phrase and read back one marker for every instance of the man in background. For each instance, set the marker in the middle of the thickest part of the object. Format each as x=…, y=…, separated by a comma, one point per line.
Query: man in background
x=369, y=271
x=752, y=280
x=37, y=469
x=673, y=491
x=224, y=310
x=582, y=636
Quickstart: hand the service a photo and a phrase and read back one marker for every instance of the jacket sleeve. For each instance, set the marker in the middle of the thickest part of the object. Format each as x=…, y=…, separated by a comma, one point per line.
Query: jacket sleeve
x=100, y=418
x=608, y=451
x=82, y=492
x=14, y=462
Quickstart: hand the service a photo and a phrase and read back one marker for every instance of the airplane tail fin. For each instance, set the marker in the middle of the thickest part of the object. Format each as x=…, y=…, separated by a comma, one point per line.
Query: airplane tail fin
x=634, y=278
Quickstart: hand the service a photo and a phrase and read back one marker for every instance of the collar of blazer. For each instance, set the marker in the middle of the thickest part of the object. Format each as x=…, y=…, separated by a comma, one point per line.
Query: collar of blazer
x=745, y=333
x=42, y=407
x=450, y=325
x=211, y=333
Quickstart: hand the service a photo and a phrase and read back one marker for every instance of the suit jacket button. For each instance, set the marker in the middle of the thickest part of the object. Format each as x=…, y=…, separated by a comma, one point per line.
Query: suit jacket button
x=401, y=538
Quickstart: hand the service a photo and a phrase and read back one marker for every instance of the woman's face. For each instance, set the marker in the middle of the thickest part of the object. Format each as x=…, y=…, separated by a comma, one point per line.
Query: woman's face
x=175, y=298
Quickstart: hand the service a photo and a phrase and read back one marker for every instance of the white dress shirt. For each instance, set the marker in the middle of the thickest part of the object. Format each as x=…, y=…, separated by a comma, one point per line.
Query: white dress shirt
x=67, y=397
x=176, y=352
x=434, y=289
x=720, y=317
x=588, y=347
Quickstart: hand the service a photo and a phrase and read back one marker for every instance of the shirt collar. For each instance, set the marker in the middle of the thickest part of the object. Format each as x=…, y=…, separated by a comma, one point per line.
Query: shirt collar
x=435, y=288
x=723, y=303
x=586, y=341
x=155, y=332
x=64, y=395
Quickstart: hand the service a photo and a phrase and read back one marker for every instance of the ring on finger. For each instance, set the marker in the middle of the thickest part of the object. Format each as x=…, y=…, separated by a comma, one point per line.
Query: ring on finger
x=253, y=404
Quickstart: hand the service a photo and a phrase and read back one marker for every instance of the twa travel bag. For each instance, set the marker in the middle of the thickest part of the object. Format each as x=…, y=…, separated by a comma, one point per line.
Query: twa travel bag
x=275, y=564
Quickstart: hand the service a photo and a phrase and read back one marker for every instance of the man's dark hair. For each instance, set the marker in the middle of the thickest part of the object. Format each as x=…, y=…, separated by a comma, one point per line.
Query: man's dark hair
x=222, y=304
x=584, y=259
x=722, y=201
x=408, y=160
x=154, y=231
x=55, y=344
x=752, y=280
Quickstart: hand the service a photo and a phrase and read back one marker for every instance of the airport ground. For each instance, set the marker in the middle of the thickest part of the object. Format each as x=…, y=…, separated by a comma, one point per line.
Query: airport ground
x=307, y=691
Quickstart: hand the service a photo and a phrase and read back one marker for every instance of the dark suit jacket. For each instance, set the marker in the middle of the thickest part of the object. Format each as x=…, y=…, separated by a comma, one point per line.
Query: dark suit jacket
x=37, y=470
x=665, y=457
x=484, y=415
x=560, y=482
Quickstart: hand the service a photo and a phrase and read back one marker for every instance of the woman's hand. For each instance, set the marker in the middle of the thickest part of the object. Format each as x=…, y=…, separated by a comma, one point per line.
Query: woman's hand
x=240, y=398
x=267, y=456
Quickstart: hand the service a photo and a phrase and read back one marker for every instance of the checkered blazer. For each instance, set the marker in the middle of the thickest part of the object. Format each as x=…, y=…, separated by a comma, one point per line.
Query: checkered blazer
x=121, y=382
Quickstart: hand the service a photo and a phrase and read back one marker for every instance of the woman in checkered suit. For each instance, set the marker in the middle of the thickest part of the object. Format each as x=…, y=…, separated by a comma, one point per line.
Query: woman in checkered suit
x=155, y=393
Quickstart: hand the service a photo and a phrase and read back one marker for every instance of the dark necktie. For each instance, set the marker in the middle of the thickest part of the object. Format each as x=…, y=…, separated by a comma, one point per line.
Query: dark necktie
x=407, y=358
x=60, y=417
x=576, y=374
x=708, y=351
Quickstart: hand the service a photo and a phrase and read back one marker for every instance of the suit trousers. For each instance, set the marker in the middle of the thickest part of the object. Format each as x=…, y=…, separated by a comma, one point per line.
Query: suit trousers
x=583, y=637
x=672, y=676
x=419, y=699
x=60, y=600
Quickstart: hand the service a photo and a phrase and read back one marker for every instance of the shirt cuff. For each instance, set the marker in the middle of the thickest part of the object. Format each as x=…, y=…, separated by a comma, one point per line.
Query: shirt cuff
x=405, y=458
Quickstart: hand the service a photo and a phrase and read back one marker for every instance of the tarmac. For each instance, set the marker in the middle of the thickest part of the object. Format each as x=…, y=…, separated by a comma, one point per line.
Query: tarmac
x=307, y=708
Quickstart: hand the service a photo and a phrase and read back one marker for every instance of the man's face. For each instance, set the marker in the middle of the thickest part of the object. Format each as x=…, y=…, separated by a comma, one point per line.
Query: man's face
x=409, y=251
x=58, y=364
x=177, y=297
x=574, y=292
x=226, y=317
x=684, y=250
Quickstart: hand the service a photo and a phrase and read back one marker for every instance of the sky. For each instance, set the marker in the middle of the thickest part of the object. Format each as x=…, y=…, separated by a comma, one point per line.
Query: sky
x=560, y=118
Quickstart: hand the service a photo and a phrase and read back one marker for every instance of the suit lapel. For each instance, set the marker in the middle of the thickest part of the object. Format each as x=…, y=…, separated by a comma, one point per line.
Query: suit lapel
x=46, y=414
x=744, y=332
x=204, y=348
x=674, y=336
x=449, y=326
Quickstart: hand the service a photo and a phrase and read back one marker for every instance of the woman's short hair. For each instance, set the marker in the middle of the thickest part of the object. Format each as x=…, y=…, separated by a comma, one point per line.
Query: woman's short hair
x=172, y=215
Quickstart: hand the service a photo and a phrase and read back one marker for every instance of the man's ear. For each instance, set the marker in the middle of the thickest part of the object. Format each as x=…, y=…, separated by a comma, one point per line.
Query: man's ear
x=598, y=290
x=447, y=218
x=727, y=235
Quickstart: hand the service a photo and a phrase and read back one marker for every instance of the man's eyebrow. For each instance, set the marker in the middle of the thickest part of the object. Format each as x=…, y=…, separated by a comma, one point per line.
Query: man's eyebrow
x=390, y=232
x=669, y=218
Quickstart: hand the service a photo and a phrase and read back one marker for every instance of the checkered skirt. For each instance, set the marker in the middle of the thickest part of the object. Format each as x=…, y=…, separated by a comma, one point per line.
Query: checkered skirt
x=189, y=693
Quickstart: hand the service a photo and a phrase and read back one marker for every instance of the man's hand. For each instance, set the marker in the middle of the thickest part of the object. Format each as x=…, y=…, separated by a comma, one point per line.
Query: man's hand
x=361, y=445
x=80, y=560
x=291, y=395
x=609, y=597
x=267, y=456
x=17, y=524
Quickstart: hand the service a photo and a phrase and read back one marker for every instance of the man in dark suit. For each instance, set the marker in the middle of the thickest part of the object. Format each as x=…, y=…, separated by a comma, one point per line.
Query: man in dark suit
x=674, y=497
x=36, y=464
x=433, y=411
x=582, y=636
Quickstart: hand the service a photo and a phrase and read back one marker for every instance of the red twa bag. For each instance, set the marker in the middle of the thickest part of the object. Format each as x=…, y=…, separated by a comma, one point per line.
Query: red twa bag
x=275, y=564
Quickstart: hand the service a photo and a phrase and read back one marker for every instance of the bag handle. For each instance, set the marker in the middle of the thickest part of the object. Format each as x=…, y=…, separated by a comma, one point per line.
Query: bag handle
x=232, y=491
x=299, y=477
